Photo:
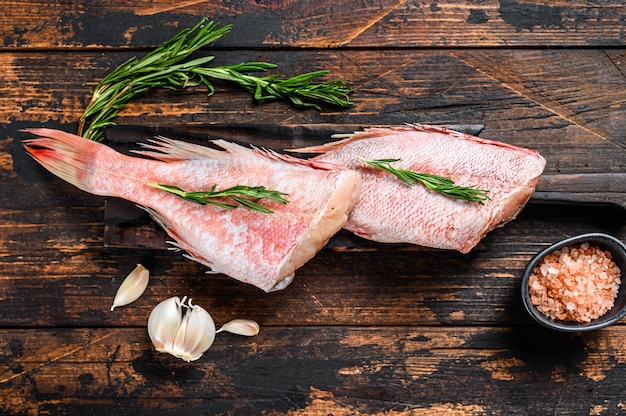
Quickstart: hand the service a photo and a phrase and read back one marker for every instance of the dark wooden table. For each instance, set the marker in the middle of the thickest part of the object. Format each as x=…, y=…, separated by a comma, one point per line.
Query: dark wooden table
x=367, y=332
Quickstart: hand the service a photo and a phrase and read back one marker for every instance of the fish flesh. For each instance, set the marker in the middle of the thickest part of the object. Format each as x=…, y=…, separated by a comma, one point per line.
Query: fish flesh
x=257, y=248
x=390, y=211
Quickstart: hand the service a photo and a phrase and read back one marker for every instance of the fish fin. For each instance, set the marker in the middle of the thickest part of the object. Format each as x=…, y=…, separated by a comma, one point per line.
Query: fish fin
x=202, y=262
x=371, y=132
x=324, y=148
x=240, y=151
x=173, y=246
x=442, y=130
x=179, y=243
x=68, y=156
x=433, y=129
x=162, y=222
x=345, y=138
x=168, y=150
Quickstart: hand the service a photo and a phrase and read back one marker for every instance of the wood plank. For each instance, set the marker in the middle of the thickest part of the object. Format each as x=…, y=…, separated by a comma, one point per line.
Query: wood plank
x=314, y=371
x=598, y=188
x=319, y=24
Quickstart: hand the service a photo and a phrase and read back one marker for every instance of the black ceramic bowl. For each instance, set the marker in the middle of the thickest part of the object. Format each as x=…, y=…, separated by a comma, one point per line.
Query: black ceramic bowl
x=617, y=312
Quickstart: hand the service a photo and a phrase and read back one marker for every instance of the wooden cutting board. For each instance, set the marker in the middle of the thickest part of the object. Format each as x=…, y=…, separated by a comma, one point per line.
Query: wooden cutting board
x=127, y=226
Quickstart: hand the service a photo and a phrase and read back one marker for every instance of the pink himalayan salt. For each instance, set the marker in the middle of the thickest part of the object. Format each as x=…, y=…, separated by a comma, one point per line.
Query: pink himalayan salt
x=576, y=283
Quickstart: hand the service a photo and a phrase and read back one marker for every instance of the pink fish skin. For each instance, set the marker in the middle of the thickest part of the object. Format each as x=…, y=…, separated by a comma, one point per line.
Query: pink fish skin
x=390, y=211
x=257, y=248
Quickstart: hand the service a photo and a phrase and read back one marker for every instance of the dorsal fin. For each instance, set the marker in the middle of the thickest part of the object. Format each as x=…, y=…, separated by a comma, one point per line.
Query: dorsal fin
x=168, y=150
x=373, y=132
x=368, y=133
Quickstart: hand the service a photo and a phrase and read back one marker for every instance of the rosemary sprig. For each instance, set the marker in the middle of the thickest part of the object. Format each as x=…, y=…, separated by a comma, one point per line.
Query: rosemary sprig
x=436, y=183
x=167, y=67
x=161, y=68
x=299, y=89
x=246, y=196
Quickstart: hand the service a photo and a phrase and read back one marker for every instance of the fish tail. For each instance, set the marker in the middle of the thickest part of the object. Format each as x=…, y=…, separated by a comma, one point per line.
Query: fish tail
x=66, y=155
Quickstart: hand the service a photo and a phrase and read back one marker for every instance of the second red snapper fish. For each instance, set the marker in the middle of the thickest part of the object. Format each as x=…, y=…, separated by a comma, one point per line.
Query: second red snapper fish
x=390, y=211
x=263, y=249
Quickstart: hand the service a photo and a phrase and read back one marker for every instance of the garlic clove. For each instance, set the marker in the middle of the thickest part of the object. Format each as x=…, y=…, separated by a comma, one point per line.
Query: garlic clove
x=132, y=287
x=164, y=322
x=244, y=327
x=185, y=331
x=195, y=335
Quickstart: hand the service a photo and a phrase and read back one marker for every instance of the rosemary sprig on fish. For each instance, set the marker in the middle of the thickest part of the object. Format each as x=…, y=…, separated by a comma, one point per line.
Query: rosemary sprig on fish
x=167, y=67
x=245, y=196
x=436, y=183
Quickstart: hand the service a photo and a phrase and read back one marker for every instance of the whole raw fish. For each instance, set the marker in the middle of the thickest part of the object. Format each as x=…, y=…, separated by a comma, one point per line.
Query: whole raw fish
x=257, y=248
x=390, y=211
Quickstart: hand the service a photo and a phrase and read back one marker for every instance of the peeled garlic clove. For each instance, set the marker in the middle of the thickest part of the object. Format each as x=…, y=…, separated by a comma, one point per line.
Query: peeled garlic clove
x=132, y=287
x=185, y=331
x=244, y=327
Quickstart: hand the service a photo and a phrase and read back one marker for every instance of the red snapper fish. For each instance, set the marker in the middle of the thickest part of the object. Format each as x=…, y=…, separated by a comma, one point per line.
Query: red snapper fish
x=263, y=249
x=390, y=211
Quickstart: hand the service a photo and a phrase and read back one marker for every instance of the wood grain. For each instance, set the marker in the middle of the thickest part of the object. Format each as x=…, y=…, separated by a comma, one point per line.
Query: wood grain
x=319, y=24
x=387, y=332
x=403, y=370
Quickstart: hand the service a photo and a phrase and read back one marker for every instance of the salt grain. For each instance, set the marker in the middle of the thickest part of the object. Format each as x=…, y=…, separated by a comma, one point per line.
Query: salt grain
x=577, y=283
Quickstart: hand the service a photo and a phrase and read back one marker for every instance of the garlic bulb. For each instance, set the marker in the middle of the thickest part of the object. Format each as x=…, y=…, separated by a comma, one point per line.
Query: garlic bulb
x=132, y=287
x=185, y=331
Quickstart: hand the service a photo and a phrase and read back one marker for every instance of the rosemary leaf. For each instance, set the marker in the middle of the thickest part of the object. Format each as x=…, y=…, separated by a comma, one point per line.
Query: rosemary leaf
x=168, y=66
x=243, y=195
x=436, y=183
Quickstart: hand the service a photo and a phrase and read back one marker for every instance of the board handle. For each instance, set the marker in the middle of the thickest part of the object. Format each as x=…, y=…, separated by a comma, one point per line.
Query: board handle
x=582, y=188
